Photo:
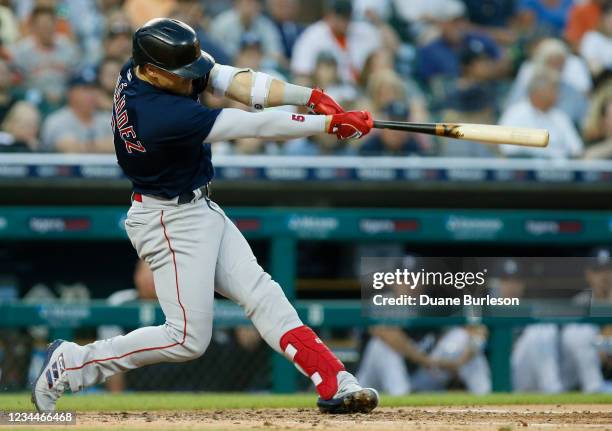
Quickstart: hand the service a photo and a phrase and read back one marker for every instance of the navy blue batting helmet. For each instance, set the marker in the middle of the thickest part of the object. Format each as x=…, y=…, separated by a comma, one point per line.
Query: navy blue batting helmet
x=173, y=46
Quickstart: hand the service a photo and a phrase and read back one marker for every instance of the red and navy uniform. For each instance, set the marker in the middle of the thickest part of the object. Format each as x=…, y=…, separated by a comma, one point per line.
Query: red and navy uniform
x=159, y=137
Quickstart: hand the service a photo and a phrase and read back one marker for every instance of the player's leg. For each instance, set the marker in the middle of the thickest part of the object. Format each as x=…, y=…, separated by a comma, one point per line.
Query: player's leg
x=475, y=373
x=544, y=352
x=240, y=278
x=578, y=343
x=180, y=244
x=383, y=368
x=535, y=360
x=523, y=376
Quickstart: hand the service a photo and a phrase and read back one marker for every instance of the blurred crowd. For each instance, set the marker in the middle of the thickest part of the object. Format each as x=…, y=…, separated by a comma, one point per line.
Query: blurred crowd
x=532, y=63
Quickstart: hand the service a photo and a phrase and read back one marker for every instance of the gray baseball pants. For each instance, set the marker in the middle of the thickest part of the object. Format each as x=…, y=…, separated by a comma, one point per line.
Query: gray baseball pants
x=193, y=250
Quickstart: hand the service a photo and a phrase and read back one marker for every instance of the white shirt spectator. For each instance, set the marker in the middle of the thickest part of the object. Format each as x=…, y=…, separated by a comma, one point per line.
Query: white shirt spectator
x=564, y=139
x=227, y=29
x=362, y=39
x=596, y=49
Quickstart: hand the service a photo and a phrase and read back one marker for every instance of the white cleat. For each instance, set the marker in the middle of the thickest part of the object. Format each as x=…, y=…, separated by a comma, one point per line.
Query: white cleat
x=350, y=398
x=52, y=380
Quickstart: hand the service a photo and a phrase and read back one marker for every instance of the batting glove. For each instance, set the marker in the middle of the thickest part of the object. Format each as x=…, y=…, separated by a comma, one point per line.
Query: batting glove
x=351, y=125
x=323, y=104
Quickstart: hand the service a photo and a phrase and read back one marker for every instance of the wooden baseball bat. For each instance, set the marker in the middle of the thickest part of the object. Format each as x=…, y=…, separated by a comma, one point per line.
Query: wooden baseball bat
x=473, y=132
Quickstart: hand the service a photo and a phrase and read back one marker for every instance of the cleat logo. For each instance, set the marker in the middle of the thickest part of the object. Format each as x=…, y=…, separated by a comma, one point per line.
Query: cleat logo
x=55, y=371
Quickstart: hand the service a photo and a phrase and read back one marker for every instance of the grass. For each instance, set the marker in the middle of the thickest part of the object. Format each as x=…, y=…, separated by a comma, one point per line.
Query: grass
x=151, y=401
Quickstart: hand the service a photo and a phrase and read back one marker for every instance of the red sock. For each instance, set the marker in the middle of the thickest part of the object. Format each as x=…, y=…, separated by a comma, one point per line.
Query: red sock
x=302, y=346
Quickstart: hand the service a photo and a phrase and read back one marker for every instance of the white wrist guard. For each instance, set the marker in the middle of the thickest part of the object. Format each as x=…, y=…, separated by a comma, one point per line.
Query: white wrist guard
x=296, y=95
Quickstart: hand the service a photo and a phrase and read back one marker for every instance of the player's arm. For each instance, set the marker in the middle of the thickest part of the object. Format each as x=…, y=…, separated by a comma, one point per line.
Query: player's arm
x=260, y=90
x=277, y=125
x=395, y=338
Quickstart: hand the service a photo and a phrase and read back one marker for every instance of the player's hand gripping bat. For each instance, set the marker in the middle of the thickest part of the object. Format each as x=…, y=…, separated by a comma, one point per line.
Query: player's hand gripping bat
x=473, y=132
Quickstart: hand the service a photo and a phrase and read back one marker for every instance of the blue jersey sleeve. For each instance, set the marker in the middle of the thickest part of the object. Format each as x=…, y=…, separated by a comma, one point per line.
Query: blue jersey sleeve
x=190, y=122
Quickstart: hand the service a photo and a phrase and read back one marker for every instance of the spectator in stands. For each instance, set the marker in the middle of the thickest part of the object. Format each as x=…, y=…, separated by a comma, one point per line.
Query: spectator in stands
x=192, y=12
x=494, y=17
x=9, y=27
x=470, y=104
x=108, y=71
x=141, y=11
x=88, y=24
x=381, y=59
x=144, y=289
x=391, y=142
x=596, y=45
x=386, y=86
x=575, y=77
x=416, y=17
x=349, y=42
x=583, y=17
x=46, y=59
x=19, y=130
x=491, y=13
x=473, y=100
x=251, y=55
x=118, y=40
x=284, y=14
x=8, y=95
x=326, y=76
x=372, y=13
x=439, y=60
x=538, y=111
x=79, y=127
x=602, y=123
x=246, y=16
x=549, y=14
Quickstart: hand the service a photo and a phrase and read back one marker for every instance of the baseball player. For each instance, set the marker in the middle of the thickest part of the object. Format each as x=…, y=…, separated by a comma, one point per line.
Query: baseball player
x=585, y=346
x=400, y=360
x=191, y=246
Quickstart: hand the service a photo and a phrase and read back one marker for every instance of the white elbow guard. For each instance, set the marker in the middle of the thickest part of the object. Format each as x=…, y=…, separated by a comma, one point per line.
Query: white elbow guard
x=260, y=90
x=222, y=77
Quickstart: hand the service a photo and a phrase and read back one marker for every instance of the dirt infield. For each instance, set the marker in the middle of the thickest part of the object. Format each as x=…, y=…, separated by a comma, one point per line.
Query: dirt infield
x=498, y=418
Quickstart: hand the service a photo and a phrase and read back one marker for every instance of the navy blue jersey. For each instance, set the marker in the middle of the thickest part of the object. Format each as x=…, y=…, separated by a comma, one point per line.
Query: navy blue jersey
x=159, y=137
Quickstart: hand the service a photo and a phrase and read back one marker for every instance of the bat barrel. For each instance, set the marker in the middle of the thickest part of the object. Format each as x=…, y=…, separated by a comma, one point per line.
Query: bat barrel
x=486, y=133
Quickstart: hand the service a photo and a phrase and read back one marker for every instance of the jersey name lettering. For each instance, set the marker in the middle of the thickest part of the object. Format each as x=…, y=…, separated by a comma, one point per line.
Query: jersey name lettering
x=120, y=120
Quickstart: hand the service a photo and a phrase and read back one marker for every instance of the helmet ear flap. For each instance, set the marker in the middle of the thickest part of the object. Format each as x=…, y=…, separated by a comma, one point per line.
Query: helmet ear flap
x=199, y=84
